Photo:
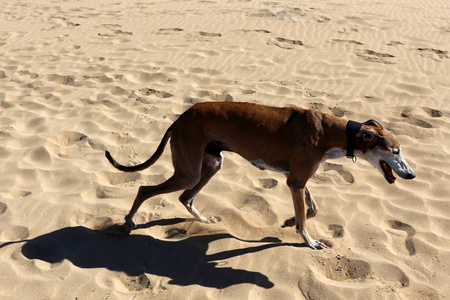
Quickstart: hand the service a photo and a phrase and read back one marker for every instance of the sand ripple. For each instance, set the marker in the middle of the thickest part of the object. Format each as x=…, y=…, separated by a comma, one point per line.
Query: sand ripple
x=76, y=79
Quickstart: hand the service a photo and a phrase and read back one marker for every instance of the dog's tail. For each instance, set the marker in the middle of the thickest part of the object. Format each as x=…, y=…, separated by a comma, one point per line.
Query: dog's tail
x=148, y=162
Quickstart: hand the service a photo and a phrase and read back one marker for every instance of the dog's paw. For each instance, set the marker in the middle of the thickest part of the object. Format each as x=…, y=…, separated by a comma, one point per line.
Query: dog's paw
x=130, y=223
x=210, y=220
x=311, y=213
x=289, y=223
x=317, y=245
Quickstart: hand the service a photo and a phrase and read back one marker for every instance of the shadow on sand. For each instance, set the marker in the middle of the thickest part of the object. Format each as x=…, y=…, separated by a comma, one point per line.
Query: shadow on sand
x=184, y=261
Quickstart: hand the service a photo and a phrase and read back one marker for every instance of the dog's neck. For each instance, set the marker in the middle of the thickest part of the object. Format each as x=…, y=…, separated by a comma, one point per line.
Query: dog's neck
x=337, y=137
x=352, y=129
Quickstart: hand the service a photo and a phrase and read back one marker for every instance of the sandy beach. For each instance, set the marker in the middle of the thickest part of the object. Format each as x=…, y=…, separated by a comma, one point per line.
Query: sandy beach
x=78, y=77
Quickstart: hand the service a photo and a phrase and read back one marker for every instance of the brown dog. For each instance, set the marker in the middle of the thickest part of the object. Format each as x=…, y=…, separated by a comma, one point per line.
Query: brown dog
x=290, y=140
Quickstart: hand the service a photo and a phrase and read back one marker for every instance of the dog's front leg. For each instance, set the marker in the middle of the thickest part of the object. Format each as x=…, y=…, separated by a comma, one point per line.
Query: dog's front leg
x=311, y=203
x=298, y=195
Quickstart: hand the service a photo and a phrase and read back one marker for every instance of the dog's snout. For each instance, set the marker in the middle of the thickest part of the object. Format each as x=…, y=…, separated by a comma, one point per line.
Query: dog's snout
x=411, y=176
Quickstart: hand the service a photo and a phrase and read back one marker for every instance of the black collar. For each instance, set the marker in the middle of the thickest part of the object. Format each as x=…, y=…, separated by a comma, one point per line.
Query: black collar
x=352, y=129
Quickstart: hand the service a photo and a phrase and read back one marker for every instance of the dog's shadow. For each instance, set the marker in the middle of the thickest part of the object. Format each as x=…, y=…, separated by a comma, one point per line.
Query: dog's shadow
x=184, y=261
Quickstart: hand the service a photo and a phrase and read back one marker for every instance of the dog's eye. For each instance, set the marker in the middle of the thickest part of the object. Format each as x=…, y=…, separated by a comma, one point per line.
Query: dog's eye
x=396, y=151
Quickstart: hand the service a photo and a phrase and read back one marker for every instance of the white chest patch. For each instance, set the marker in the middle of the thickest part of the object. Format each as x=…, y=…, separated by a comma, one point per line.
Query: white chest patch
x=333, y=154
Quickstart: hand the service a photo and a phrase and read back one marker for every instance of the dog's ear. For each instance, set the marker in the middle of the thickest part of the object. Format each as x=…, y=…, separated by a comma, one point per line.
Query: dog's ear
x=373, y=123
x=368, y=136
x=366, y=139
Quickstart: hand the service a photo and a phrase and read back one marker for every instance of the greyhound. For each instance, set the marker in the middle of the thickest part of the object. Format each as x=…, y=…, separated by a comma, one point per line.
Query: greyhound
x=289, y=140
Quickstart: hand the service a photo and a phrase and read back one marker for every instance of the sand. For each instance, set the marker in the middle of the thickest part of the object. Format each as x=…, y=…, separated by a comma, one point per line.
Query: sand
x=77, y=77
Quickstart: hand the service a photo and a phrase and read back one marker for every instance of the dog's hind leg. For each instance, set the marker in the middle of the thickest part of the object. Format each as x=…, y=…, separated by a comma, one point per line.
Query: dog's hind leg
x=187, y=162
x=173, y=184
x=211, y=164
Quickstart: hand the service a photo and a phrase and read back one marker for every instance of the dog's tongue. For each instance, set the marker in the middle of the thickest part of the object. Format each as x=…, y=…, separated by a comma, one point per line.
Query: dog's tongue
x=391, y=179
x=387, y=172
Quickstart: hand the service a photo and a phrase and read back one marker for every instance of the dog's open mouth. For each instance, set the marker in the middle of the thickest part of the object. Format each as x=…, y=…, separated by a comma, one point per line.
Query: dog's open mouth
x=387, y=172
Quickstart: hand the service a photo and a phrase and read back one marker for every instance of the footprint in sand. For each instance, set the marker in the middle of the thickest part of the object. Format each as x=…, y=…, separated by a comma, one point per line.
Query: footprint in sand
x=123, y=282
x=343, y=268
x=101, y=78
x=135, y=283
x=209, y=34
x=121, y=32
x=109, y=26
x=159, y=94
x=338, y=230
x=257, y=206
x=117, y=90
x=435, y=54
x=268, y=183
x=252, y=30
x=103, y=192
x=434, y=112
x=216, y=97
x=289, y=223
x=410, y=118
x=348, y=30
x=391, y=273
x=100, y=223
x=201, y=36
x=114, y=178
x=40, y=156
x=175, y=233
x=60, y=79
x=347, y=176
x=322, y=19
x=394, y=43
x=165, y=31
x=377, y=57
x=15, y=233
x=338, y=112
x=310, y=93
x=31, y=75
x=288, y=41
x=17, y=194
x=114, y=29
x=3, y=207
x=339, y=275
x=410, y=231
x=170, y=29
x=351, y=269
x=67, y=138
x=352, y=42
x=114, y=33
x=284, y=43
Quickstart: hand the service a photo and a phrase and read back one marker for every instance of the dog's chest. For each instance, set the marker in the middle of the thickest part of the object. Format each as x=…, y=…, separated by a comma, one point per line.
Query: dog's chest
x=333, y=154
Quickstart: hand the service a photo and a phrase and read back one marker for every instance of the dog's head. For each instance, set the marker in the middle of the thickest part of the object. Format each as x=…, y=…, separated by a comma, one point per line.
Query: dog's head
x=376, y=145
